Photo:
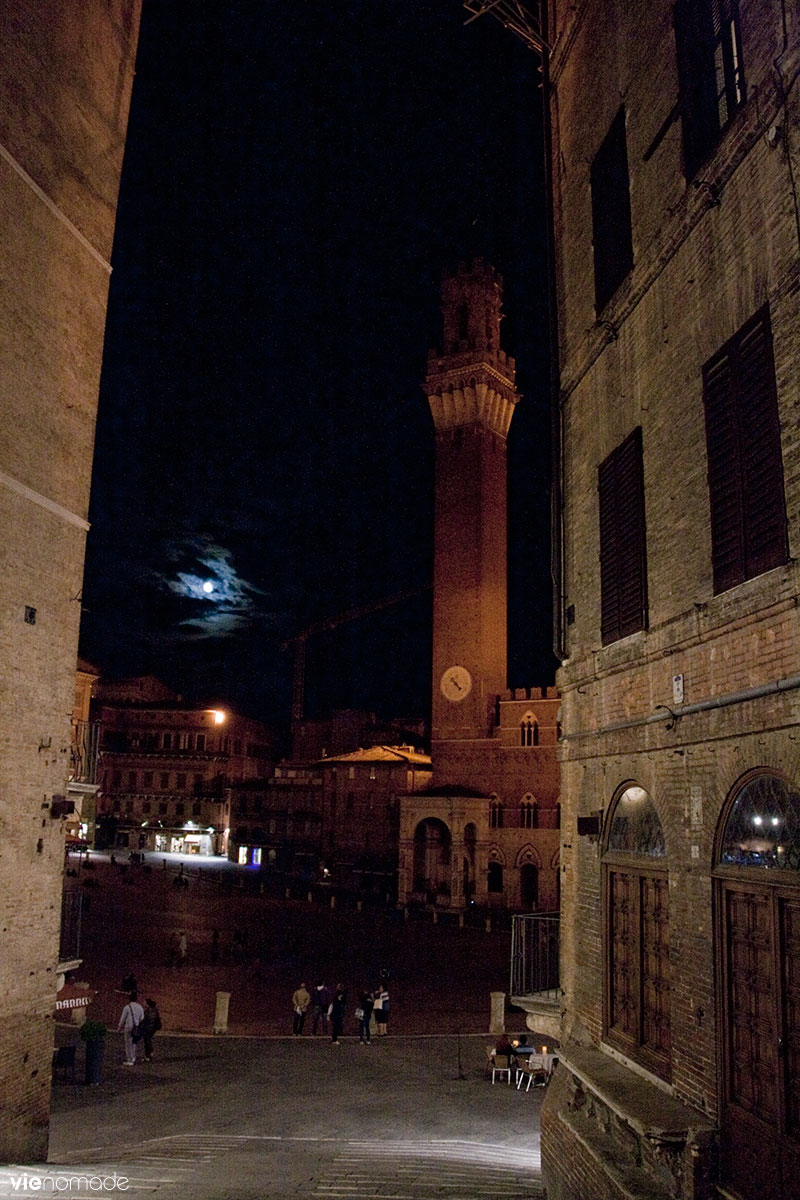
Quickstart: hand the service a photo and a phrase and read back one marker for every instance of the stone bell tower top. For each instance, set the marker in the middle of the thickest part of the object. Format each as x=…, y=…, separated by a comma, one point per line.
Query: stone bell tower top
x=471, y=380
x=470, y=389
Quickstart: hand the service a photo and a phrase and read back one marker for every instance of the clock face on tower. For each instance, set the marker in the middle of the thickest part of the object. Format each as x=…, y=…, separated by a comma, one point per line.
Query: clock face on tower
x=456, y=684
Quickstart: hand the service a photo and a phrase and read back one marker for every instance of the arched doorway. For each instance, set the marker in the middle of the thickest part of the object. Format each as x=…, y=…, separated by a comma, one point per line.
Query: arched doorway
x=757, y=894
x=468, y=866
x=432, y=852
x=529, y=886
x=636, y=1015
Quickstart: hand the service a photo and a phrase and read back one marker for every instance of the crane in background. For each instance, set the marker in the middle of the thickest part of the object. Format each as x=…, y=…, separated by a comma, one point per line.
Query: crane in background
x=297, y=643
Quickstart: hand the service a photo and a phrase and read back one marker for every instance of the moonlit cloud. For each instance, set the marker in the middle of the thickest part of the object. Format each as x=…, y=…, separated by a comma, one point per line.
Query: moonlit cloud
x=232, y=604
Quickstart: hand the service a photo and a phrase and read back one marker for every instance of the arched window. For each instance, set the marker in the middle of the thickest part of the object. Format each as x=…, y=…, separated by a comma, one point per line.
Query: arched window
x=495, y=814
x=762, y=829
x=528, y=816
x=495, y=880
x=637, y=991
x=529, y=730
x=757, y=895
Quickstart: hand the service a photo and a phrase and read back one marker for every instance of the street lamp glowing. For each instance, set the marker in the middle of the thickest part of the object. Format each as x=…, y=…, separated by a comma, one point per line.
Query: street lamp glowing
x=218, y=715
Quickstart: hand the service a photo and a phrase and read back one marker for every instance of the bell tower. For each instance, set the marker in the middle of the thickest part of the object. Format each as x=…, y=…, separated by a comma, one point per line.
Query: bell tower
x=471, y=392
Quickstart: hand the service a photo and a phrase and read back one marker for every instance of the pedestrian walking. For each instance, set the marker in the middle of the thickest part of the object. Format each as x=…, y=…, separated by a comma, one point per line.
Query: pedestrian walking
x=364, y=1016
x=151, y=1023
x=215, y=947
x=381, y=1010
x=336, y=1013
x=300, y=1002
x=129, y=1026
x=183, y=947
x=320, y=1000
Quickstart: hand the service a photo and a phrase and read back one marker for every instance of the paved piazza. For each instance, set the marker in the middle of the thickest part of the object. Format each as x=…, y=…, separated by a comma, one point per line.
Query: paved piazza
x=406, y=1118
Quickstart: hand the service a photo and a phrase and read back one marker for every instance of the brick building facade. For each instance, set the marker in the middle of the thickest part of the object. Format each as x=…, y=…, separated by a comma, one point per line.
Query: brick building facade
x=675, y=168
x=64, y=92
x=486, y=831
x=167, y=767
x=336, y=819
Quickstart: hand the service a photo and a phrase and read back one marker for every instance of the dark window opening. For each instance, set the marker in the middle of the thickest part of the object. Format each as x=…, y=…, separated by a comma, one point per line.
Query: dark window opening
x=623, y=544
x=495, y=882
x=745, y=467
x=711, y=79
x=611, y=213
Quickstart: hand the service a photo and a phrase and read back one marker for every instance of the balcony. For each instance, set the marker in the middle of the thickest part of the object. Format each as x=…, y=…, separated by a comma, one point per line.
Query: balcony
x=534, y=985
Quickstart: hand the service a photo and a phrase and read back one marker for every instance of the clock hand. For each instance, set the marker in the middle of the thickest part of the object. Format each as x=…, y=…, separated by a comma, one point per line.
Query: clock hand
x=455, y=683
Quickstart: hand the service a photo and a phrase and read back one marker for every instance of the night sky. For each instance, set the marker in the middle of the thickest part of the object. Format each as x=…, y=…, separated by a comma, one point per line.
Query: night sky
x=297, y=177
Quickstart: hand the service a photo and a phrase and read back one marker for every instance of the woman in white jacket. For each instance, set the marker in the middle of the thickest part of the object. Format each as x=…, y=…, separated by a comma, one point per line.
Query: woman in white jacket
x=130, y=1020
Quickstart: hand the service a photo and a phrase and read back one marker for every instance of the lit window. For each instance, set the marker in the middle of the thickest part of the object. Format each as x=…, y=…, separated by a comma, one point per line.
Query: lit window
x=243, y=852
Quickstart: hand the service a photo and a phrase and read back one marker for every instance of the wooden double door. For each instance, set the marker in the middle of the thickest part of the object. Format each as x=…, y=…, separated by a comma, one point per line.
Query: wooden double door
x=760, y=991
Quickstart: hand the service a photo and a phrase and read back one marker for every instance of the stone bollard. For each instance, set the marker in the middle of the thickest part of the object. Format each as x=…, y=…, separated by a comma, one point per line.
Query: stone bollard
x=497, y=1018
x=460, y=920
x=359, y=905
x=488, y=924
x=286, y=894
x=310, y=897
x=333, y=902
x=221, y=1014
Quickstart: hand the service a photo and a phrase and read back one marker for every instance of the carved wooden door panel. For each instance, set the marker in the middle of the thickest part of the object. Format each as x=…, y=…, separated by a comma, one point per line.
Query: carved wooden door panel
x=761, y=1049
x=655, y=966
x=623, y=911
x=638, y=1018
x=790, y=1038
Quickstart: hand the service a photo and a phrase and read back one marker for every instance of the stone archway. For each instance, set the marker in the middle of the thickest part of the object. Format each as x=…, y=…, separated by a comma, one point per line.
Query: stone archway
x=432, y=857
x=468, y=862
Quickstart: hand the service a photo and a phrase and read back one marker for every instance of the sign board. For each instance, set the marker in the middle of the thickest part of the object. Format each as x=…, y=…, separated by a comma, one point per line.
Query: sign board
x=74, y=995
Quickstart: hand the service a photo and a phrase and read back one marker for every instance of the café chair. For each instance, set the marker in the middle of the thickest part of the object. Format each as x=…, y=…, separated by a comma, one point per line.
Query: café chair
x=501, y=1065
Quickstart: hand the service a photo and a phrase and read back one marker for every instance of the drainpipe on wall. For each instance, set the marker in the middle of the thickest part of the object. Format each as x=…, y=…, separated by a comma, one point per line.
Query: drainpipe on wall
x=556, y=431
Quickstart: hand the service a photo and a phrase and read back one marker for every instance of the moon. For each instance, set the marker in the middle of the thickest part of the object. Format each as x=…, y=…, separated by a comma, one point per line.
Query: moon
x=208, y=587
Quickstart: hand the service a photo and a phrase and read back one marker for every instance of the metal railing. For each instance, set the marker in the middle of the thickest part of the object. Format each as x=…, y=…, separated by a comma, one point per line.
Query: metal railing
x=534, y=955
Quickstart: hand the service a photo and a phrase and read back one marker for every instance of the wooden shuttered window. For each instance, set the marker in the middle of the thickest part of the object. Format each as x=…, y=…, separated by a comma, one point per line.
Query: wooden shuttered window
x=623, y=549
x=611, y=213
x=745, y=469
x=711, y=78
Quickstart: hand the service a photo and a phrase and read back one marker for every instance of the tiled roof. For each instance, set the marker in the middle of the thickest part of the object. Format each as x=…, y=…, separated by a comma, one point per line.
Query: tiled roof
x=381, y=754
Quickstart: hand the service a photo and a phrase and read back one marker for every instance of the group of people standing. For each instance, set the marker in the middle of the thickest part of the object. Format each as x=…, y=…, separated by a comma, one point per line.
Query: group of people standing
x=329, y=1008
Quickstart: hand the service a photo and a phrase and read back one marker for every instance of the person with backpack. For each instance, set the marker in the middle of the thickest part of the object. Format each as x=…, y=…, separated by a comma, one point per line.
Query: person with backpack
x=151, y=1024
x=130, y=1023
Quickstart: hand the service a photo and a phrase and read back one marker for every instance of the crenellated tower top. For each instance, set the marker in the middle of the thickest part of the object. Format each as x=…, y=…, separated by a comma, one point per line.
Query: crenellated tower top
x=471, y=380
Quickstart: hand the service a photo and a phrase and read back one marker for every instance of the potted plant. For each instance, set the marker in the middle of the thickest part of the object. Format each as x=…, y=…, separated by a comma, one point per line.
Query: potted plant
x=93, y=1034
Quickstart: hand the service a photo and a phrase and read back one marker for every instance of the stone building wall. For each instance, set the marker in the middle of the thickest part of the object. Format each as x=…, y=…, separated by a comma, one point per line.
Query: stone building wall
x=64, y=92
x=708, y=253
